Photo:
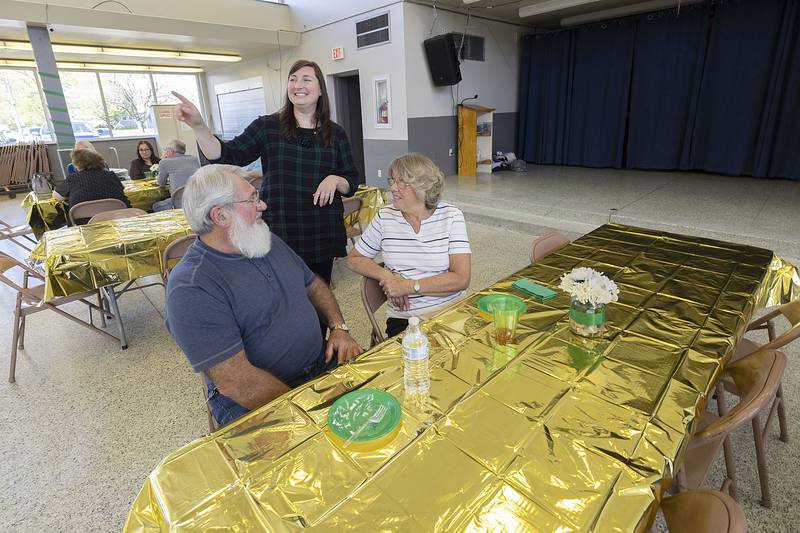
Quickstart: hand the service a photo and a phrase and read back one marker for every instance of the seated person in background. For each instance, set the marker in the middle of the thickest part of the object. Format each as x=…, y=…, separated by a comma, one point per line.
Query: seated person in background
x=242, y=305
x=423, y=241
x=80, y=145
x=92, y=181
x=145, y=158
x=176, y=166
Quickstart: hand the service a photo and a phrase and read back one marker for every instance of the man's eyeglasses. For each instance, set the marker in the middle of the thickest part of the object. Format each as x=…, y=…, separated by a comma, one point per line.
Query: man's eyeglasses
x=253, y=199
x=400, y=183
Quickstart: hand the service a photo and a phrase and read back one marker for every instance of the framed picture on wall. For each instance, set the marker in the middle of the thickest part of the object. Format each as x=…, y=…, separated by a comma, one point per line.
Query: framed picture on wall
x=383, y=104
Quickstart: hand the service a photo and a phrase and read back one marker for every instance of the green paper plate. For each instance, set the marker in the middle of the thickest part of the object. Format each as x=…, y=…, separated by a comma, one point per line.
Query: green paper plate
x=351, y=412
x=485, y=304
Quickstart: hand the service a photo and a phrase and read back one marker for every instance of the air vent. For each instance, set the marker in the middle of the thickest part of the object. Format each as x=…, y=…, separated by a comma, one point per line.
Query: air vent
x=472, y=47
x=372, y=31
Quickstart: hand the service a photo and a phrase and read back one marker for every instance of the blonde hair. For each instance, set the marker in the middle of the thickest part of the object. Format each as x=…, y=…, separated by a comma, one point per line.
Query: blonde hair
x=422, y=175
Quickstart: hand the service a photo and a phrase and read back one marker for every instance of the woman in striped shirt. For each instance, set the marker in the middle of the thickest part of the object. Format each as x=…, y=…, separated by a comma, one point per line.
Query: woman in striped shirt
x=423, y=241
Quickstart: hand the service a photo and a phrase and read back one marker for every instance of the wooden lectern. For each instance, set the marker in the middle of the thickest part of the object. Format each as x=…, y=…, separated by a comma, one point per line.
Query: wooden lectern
x=474, y=139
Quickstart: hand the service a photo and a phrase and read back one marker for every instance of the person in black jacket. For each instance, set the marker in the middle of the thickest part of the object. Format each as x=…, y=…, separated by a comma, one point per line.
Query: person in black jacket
x=92, y=181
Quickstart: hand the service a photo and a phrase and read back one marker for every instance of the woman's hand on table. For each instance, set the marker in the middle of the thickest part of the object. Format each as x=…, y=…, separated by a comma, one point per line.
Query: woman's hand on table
x=326, y=191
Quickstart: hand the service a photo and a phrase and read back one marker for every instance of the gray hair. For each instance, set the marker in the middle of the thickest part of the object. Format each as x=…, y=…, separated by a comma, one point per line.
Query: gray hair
x=209, y=187
x=422, y=175
x=179, y=147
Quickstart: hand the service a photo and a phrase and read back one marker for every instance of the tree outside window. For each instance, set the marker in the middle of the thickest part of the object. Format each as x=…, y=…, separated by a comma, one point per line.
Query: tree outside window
x=128, y=100
x=21, y=113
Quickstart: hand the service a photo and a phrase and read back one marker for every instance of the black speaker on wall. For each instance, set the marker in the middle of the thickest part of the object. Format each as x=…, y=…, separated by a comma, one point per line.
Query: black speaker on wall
x=442, y=59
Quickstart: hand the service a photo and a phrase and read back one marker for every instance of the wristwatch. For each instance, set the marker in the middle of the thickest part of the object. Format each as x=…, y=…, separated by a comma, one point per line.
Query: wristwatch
x=341, y=326
x=416, y=287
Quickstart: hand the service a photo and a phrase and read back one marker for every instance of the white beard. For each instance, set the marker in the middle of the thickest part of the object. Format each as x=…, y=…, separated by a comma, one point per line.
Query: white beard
x=252, y=240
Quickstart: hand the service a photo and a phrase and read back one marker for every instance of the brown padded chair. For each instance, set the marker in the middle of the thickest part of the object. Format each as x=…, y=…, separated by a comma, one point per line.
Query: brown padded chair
x=373, y=297
x=703, y=511
x=11, y=233
x=256, y=182
x=117, y=213
x=177, y=198
x=353, y=205
x=757, y=378
x=31, y=300
x=91, y=208
x=547, y=244
x=174, y=250
x=791, y=312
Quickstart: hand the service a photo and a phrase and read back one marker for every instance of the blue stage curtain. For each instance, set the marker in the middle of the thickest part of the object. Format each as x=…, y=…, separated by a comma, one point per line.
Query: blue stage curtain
x=545, y=79
x=741, y=56
x=599, y=97
x=667, y=67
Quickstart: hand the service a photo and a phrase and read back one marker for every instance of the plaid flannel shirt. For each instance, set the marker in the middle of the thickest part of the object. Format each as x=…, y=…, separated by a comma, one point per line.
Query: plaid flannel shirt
x=292, y=172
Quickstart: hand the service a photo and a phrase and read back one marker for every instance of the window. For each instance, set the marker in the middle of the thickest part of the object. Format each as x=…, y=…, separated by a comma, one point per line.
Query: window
x=21, y=114
x=372, y=31
x=85, y=105
x=128, y=100
x=186, y=84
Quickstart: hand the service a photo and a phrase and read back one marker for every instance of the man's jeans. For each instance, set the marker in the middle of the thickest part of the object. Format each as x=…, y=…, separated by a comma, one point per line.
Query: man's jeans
x=162, y=205
x=226, y=410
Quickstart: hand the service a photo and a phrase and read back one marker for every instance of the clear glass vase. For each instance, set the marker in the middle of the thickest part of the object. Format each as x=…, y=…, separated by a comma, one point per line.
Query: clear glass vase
x=587, y=320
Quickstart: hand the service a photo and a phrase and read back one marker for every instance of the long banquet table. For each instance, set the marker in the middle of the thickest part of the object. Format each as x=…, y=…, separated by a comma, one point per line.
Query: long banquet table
x=553, y=433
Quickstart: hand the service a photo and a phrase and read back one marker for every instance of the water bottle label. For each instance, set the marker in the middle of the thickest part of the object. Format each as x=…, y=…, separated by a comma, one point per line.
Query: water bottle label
x=415, y=353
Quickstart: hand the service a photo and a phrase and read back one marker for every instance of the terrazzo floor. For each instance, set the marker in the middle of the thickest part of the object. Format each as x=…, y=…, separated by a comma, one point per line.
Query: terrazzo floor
x=86, y=422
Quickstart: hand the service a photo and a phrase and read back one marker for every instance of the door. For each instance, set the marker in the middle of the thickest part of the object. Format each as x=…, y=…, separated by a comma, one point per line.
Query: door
x=348, y=115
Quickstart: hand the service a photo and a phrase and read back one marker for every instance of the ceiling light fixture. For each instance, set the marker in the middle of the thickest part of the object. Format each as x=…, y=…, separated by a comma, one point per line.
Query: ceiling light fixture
x=551, y=5
x=69, y=65
x=624, y=11
x=120, y=51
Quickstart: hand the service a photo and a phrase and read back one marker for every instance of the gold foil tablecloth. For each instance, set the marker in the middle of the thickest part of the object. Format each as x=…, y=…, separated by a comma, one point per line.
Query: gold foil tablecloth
x=555, y=433
x=46, y=213
x=373, y=199
x=81, y=258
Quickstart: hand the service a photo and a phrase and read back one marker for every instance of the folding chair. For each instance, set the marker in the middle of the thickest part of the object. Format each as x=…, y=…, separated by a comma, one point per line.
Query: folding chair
x=703, y=511
x=757, y=378
x=547, y=244
x=11, y=233
x=117, y=213
x=174, y=250
x=373, y=297
x=31, y=300
x=177, y=198
x=212, y=422
x=91, y=208
x=353, y=205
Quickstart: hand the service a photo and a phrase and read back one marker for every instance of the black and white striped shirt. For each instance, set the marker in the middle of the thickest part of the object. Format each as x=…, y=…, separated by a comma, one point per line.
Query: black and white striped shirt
x=417, y=255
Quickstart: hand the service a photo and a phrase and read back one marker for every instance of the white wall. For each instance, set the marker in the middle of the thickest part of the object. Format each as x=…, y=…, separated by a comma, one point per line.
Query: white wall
x=311, y=14
x=495, y=80
x=387, y=59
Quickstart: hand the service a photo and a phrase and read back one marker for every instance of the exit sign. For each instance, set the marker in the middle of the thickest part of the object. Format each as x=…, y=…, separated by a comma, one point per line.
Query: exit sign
x=337, y=53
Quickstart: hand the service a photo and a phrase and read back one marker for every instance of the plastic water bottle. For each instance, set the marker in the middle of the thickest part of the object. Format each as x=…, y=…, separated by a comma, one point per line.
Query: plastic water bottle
x=416, y=375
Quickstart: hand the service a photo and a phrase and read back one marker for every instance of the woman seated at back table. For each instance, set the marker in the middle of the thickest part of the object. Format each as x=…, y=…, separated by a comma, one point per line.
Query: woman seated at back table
x=423, y=241
x=92, y=181
x=145, y=158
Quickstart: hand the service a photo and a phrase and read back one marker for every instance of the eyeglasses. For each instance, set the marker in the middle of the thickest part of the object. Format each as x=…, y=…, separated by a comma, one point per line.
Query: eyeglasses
x=400, y=183
x=253, y=199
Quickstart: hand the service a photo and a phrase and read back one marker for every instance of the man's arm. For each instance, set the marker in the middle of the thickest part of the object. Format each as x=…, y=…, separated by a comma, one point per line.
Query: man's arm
x=325, y=303
x=162, y=174
x=247, y=385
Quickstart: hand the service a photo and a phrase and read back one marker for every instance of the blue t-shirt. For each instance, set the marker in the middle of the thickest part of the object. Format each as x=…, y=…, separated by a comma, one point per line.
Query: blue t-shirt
x=219, y=304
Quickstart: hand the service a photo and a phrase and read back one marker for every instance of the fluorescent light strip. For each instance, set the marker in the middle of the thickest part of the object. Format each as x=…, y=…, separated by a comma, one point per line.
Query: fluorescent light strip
x=551, y=5
x=119, y=51
x=624, y=11
x=66, y=65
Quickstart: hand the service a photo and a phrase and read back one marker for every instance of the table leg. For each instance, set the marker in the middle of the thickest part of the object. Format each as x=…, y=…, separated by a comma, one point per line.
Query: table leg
x=111, y=297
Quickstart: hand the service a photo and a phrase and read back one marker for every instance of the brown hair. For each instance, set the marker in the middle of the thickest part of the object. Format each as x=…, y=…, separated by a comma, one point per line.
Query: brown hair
x=88, y=160
x=323, y=115
x=421, y=174
x=153, y=156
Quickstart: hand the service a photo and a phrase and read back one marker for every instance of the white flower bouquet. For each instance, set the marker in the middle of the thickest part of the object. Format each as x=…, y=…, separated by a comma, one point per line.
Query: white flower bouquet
x=154, y=168
x=590, y=291
x=588, y=286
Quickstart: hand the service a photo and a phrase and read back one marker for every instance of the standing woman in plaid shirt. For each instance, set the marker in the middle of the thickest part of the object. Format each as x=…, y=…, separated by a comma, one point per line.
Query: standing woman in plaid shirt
x=307, y=164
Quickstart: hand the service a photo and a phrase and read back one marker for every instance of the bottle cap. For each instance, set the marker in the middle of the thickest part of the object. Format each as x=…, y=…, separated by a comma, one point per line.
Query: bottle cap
x=413, y=321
